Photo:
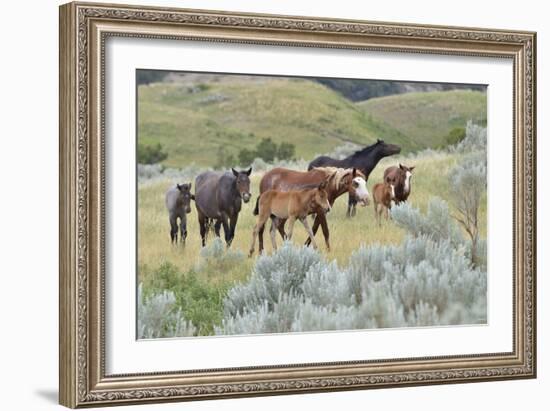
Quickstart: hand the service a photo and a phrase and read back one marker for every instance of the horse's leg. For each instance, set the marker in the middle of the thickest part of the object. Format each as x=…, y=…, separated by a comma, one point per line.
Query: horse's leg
x=316, y=224
x=348, y=212
x=226, y=231
x=183, y=229
x=291, y=221
x=324, y=227
x=259, y=225
x=281, y=227
x=308, y=229
x=203, y=221
x=353, y=207
x=217, y=226
x=232, y=225
x=273, y=232
x=261, y=239
x=173, y=228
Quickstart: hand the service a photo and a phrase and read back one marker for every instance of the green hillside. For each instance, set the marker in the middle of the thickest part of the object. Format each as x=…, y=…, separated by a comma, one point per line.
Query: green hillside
x=191, y=122
x=427, y=118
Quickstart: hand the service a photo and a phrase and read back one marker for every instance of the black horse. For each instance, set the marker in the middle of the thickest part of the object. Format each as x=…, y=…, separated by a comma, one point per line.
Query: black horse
x=218, y=197
x=364, y=160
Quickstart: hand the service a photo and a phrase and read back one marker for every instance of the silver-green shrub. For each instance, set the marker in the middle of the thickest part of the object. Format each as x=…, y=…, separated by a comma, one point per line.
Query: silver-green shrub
x=426, y=280
x=217, y=257
x=475, y=139
x=157, y=317
x=437, y=223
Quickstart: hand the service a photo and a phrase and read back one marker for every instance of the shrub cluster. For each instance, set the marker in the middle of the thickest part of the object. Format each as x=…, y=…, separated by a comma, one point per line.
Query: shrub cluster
x=150, y=153
x=158, y=316
x=426, y=280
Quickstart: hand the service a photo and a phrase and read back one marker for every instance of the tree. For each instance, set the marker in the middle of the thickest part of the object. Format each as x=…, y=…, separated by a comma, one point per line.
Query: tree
x=267, y=150
x=224, y=159
x=455, y=136
x=150, y=76
x=246, y=157
x=285, y=151
x=150, y=153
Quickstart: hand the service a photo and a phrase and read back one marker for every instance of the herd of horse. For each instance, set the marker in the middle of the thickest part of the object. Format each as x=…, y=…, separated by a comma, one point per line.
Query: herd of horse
x=288, y=195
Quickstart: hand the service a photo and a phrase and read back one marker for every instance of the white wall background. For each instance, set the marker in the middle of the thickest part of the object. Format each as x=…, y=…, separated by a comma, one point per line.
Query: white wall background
x=29, y=187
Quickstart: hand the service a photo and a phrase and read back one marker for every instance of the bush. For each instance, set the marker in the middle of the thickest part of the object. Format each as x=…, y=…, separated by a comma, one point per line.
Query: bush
x=224, y=159
x=150, y=153
x=455, y=136
x=268, y=151
x=246, y=157
x=150, y=76
x=215, y=257
x=475, y=139
x=285, y=151
x=468, y=182
x=198, y=301
x=426, y=280
x=437, y=224
x=158, y=316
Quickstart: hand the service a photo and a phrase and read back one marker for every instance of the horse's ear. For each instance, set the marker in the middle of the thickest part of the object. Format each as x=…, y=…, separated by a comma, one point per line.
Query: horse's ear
x=249, y=171
x=401, y=166
x=354, y=174
x=411, y=168
x=235, y=172
x=179, y=186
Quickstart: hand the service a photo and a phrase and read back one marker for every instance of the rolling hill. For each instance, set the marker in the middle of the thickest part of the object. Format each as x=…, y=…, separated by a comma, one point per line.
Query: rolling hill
x=192, y=120
x=427, y=118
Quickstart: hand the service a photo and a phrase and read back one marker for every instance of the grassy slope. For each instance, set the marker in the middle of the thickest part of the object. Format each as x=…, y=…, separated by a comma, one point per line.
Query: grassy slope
x=192, y=125
x=428, y=117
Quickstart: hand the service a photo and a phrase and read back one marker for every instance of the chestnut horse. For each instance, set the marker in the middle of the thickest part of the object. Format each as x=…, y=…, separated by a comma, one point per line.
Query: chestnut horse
x=383, y=195
x=342, y=181
x=400, y=178
x=292, y=205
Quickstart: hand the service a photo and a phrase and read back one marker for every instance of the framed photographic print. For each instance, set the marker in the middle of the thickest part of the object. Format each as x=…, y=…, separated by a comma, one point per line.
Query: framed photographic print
x=258, y=204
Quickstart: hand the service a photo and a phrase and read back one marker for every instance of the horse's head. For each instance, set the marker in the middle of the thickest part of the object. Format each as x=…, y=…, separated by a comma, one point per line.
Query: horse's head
x=186, y=196
x=320, y=199
x=243, y=183
x=387, y=149
x=407, y=175
x=357, y=188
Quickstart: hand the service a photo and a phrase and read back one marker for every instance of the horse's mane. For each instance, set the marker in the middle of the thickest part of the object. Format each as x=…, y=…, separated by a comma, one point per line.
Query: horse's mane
x=338, y=173
x=365, y=150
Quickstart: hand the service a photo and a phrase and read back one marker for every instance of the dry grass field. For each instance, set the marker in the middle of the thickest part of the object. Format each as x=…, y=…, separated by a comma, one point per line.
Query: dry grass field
x=154, y=248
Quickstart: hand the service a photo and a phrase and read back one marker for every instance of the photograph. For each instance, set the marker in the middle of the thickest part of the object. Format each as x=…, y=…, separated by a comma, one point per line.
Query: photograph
x=275, y=204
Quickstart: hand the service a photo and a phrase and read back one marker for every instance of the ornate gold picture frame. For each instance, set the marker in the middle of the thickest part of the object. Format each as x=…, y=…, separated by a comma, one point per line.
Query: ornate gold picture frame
x=84, y=30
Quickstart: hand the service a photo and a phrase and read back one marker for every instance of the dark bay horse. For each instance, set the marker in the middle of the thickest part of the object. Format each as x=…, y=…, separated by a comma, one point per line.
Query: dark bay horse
x=292, y=205
x=364, y=160
x=218, y=197
x=340, y=181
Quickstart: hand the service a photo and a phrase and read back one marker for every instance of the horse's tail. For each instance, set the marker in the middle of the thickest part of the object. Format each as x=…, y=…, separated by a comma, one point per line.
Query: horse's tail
x=257, y=207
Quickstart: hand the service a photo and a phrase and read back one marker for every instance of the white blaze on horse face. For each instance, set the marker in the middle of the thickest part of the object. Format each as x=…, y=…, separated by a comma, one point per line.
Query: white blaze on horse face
x=361, y=190
x=407, y=187
x=392, y=191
